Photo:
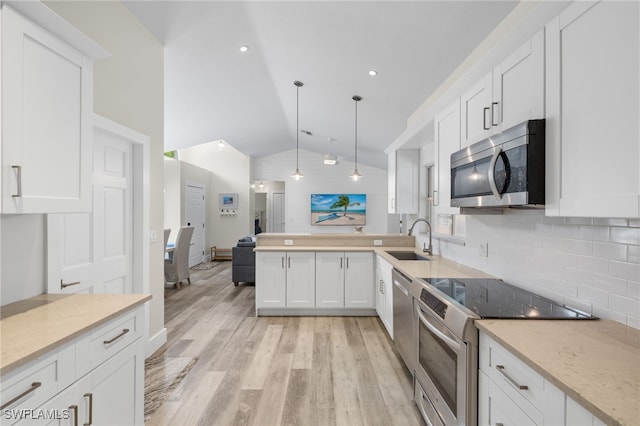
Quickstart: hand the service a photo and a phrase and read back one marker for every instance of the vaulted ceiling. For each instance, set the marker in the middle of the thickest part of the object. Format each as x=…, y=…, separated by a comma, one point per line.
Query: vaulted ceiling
x=214, y=91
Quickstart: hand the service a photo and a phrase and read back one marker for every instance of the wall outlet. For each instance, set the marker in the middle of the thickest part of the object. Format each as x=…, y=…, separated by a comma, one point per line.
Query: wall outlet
x=377, y=242
x=288, y=242
x=153, y=236
x=483, y=249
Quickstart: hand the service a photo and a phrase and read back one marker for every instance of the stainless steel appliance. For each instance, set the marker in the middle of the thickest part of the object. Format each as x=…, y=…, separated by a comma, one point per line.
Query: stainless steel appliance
x=403, y=318
x=446, y=369
x=506, y=169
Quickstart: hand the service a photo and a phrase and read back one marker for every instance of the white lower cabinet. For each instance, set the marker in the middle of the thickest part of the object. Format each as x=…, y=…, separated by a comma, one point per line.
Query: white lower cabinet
x=81, y=383
x=314, y=280
x=384, y=293
x=512, y=393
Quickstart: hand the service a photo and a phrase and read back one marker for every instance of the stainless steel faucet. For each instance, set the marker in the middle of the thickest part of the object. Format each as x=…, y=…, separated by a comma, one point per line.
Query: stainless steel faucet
x=428, y=250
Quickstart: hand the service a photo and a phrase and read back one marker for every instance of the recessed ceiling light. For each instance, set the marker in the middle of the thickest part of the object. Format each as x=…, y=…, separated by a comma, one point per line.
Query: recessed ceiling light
x=244, y=48
x=373, y=73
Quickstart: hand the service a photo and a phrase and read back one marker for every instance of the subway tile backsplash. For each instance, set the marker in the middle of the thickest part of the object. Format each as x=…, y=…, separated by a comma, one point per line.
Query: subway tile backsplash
x=591, y=264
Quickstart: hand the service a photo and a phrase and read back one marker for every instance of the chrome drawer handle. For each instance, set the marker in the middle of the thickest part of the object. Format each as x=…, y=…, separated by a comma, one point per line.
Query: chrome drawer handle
x=124, y=331
x=64, y=285
x=34, y=386
x=90, y=395
x=18, y=170
x=75, y=414
x=500, y=369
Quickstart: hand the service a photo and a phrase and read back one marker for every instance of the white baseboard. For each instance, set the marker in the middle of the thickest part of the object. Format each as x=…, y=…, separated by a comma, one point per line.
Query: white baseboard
x=155, y=342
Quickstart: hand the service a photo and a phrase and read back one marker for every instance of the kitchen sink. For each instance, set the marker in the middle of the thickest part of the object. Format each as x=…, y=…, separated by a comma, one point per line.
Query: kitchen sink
x=406, y=255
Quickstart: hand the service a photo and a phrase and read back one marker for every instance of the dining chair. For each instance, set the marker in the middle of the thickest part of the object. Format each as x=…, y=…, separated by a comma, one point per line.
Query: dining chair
x=176, y=269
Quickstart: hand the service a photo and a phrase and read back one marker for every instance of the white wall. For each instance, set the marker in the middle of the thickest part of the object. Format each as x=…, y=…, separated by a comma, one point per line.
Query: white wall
x=321, y=179
x=231, y=173
x=172, y=197
x=591, y=264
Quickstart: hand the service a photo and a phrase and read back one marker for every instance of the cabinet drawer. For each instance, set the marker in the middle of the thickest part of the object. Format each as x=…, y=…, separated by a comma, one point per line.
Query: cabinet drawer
x=30, y=386
x=502, y=410
x=114, y=336
x=514, y=377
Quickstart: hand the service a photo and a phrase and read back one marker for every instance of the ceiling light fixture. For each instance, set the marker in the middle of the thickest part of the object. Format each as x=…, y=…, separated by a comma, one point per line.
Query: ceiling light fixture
x=356, y=175
x=221, y=145
x=373, y=73
x=330, y=159
x=244, y=48
x=297, y=174
x=261, y=185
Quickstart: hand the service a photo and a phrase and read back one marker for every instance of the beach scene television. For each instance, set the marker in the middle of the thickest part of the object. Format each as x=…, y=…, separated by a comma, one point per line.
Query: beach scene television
x=338, y=209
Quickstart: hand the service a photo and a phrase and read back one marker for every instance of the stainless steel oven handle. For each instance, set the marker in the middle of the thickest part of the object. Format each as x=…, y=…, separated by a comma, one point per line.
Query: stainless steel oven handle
x=448, y=340
x=424, y=414
x=492, y=173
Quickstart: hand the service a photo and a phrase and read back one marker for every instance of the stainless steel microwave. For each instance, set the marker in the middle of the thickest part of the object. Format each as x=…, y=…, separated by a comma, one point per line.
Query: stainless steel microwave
x=504, y=170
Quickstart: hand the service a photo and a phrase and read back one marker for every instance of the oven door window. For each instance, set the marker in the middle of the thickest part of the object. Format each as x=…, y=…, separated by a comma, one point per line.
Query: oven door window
x=440, y=362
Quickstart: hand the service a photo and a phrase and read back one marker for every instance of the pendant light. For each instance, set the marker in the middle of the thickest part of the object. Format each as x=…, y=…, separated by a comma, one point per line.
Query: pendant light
x=330, y=159
x=356, y=174
x=297, y=174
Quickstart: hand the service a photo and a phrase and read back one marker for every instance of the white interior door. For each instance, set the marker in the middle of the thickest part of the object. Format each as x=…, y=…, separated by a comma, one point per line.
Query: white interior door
x=277, y=218
x=93, y=252
x=194, y=216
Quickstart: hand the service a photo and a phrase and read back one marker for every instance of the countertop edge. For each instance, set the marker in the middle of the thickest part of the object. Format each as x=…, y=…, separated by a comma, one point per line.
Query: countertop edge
x=8, y=368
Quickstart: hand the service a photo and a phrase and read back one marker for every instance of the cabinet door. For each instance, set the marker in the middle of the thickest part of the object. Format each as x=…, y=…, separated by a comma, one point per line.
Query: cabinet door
x=475, y=112
x=447, y=141
x=407, y=180
x=61, y=410
x=301, y=279
x=518, y=86
x=495, y=407
x=271, y=279
x=113, y=393
x=592, y=107
x=384, y=291
x=330, y=279
x=46, y=127
x=380, y=300
x=359, y=281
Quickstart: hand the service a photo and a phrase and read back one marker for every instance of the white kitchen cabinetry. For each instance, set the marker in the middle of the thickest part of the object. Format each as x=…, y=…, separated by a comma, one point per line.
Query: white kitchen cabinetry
x=592, y=106
x=301, y=279
x=330, y=279
x=285, y=279
x=447, y=141
x=358, y=280
x=47, y=98
x=512, y=393
x=511, y=93
x=96, y=379
x=404, y=175
x=384, y=293
x=344, y=279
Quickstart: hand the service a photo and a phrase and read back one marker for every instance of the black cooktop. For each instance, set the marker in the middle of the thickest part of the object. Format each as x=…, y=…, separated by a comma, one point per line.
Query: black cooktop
x=492, y=298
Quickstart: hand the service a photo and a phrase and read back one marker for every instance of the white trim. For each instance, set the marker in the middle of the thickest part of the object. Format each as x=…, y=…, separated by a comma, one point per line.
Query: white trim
x=156, y=342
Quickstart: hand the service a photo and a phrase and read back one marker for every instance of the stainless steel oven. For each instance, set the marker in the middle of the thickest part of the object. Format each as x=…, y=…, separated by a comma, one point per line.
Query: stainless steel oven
x=447, y=360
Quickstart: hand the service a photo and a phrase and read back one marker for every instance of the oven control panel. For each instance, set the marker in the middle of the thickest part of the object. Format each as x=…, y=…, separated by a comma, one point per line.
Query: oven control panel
x=436, y=305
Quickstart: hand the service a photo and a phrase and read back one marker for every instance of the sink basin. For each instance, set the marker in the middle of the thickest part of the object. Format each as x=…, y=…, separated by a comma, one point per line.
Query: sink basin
x=406, y=255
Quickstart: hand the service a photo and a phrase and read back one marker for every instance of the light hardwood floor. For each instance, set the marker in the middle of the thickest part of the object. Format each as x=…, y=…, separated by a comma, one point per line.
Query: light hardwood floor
x=277, y=370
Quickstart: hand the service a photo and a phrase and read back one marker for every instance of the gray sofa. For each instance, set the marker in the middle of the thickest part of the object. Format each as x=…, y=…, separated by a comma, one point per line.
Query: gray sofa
x=243, y=262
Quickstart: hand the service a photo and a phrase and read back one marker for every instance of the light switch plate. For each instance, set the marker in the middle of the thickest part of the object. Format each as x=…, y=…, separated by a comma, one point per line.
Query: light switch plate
x=288, y=242
x=377, y=242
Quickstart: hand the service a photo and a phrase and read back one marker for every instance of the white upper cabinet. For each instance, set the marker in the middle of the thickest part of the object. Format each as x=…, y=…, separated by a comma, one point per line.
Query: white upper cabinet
x=47, y=102
x=593, y=130
x=447, y=141
x=404, y=175
x=511, y=93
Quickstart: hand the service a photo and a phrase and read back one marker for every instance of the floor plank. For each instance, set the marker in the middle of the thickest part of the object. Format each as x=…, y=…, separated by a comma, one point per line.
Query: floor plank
x=277, y=370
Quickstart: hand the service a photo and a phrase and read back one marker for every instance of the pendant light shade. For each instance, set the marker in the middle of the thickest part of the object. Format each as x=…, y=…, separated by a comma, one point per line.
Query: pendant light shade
x=330, y=159
x=356, y=174
x=297, y=175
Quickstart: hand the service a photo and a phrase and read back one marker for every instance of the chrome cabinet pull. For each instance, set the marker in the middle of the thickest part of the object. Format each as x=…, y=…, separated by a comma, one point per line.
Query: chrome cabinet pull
x=485, y=110
x=282, y=261
x=64, y=285
x=18, y=170
x=493, y=110
x=124, y=331
x=90, y=396
x=289, y=262
x=340, y=263
x=347, y=263
x=74, y=408
x=382, y=286
x=500, y=369
x=34, y=386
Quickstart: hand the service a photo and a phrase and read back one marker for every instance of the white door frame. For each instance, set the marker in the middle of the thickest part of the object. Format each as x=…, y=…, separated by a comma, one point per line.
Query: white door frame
x=204, y=213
